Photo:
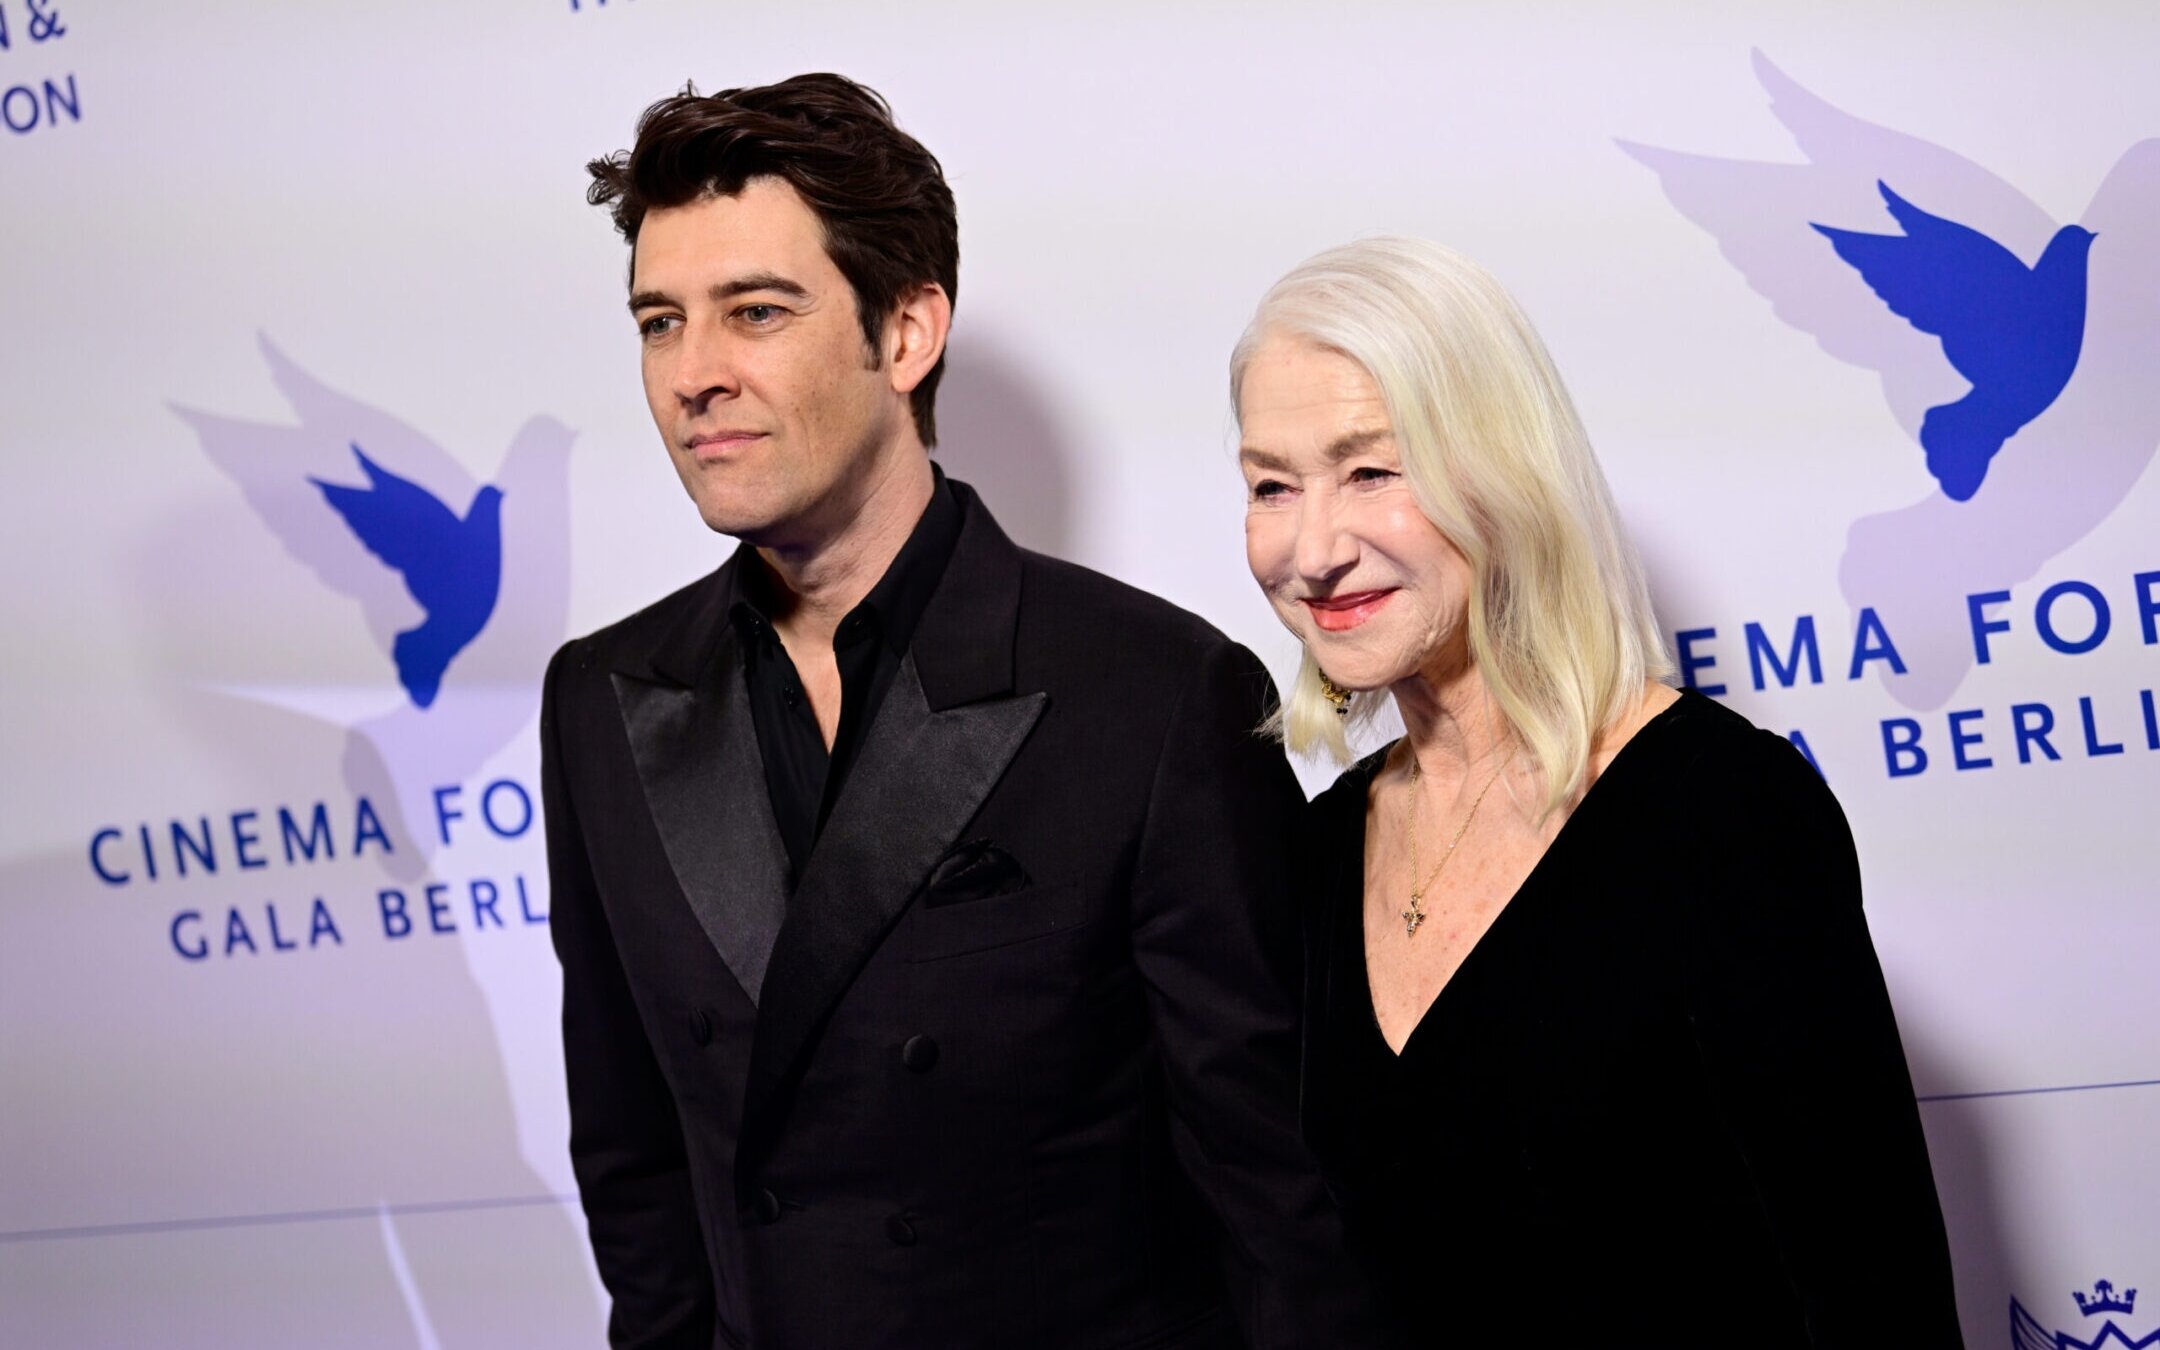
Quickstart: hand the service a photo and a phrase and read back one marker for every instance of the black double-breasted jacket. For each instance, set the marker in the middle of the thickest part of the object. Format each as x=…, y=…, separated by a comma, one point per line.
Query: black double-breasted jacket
x=1012, y=1060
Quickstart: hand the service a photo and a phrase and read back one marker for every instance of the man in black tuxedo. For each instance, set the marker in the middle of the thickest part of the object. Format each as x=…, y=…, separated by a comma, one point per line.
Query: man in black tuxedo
x=921, y=901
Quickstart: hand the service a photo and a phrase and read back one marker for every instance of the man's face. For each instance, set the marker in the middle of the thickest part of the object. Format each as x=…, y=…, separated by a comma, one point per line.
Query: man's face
x=770, y=403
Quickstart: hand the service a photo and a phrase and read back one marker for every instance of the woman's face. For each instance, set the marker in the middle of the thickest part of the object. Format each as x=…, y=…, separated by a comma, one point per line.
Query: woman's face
x=1332, y=532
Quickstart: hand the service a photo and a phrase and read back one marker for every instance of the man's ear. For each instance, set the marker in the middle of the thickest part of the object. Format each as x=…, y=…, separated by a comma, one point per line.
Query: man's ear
x=915, y=335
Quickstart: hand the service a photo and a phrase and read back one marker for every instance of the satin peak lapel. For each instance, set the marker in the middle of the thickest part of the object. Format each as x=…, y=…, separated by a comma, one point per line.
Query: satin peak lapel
x=697, y=756
x=921, y=778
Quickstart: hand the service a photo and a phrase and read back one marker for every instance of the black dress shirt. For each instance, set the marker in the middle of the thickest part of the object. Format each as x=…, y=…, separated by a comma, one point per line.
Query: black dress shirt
x=802, y=776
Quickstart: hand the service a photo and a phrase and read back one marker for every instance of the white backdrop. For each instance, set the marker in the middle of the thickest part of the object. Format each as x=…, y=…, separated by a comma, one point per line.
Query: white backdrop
x=247, y=1099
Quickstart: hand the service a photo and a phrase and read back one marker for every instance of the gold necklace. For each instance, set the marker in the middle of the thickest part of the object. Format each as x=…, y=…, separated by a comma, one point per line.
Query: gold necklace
x=1416, y=914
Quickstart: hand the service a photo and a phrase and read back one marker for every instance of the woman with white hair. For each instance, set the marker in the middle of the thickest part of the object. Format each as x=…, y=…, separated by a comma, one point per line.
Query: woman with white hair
x=1598, y=1051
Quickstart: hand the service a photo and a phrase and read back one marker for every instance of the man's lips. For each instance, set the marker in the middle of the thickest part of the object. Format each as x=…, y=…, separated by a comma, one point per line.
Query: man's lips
x=1339, y=613
x=715, y=445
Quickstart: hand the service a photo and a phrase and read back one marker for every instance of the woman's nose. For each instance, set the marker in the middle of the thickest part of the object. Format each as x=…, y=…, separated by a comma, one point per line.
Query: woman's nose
x=1325, y=550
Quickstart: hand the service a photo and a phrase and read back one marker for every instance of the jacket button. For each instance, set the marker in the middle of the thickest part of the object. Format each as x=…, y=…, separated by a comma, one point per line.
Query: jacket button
x=900, y=1231
x=919, y=1054
x=766, y=1206
x=701, y=1027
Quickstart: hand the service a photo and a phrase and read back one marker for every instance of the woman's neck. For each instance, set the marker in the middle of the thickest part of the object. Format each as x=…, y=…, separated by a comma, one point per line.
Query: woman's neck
x=1451, y=723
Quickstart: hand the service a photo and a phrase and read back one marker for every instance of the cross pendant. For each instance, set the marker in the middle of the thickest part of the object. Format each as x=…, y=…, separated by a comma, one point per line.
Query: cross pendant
x=1412, y=916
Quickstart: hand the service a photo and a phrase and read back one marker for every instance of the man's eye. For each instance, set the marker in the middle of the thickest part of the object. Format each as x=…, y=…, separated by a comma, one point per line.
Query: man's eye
x=656, y=325
x=759, y=315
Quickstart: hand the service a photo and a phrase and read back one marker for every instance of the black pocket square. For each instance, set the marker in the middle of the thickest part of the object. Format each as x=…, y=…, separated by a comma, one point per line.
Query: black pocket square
x=975, y=870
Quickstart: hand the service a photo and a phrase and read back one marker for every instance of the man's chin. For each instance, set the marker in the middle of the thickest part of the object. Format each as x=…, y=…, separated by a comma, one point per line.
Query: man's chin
x=750, y=529
x=732, y=515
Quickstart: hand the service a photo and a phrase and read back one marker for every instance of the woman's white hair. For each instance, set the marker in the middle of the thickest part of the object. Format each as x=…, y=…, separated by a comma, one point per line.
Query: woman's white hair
x=1559, y=621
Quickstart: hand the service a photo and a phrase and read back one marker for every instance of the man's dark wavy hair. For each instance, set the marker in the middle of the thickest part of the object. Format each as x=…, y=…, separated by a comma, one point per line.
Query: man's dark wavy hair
x=881, y=197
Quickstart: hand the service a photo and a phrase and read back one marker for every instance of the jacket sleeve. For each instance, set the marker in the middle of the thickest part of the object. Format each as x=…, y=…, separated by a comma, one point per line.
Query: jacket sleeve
x=626, y=1144
x=1796, y=1031
x=1216, y=942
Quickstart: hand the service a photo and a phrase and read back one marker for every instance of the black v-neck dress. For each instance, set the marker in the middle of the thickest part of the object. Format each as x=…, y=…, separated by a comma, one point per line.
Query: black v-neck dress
x=1662, y=1101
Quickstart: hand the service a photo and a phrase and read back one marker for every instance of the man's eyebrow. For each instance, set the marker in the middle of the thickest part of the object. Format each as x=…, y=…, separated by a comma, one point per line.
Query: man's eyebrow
x=728, y=290
x=759, y=281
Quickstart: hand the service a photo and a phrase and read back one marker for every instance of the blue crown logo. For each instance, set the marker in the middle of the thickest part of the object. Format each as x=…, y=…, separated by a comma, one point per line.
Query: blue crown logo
x=2103, y=1300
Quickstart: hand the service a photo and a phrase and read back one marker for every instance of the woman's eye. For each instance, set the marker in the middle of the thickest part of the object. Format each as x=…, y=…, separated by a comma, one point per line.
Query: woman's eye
x=1267, y=489
x=1370, y=474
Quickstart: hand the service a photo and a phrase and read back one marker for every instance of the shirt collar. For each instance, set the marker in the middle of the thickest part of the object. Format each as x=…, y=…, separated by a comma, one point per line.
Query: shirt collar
x=895, y=605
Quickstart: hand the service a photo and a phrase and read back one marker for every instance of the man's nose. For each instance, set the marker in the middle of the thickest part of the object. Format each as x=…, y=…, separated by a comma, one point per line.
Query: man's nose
x=704, y=366
x=1325, y=549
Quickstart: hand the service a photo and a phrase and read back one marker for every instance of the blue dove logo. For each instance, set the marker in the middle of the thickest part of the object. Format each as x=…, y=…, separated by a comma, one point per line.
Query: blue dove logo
x=1972, y=348
x=2013, y=331
x=463, y=605
x=451, y=566
x=2027, y=1332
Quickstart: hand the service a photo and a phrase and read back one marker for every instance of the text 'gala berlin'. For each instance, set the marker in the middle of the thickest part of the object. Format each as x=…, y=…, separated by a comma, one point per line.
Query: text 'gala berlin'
x=2068, y=618
x=216, y=851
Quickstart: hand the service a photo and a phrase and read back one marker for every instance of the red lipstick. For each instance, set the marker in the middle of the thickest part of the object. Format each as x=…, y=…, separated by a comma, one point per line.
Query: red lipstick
x=1340, y=613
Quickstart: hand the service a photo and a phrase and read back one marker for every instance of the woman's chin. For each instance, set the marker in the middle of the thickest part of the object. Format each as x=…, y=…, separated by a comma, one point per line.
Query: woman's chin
x=1356, y=673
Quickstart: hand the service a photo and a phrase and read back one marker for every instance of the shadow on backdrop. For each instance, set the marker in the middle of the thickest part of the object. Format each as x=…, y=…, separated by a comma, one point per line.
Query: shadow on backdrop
x=271, y=1149
x=1675, y=598
x=998, y=433
x=368, y=1072
x=1966, y=1183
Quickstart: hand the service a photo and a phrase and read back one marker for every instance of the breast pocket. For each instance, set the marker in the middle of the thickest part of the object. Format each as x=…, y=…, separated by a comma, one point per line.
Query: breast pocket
x=934, y=932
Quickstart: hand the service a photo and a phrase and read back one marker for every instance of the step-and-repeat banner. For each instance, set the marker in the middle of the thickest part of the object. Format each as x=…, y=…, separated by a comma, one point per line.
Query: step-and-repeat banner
x=322, y=429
